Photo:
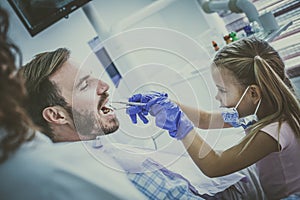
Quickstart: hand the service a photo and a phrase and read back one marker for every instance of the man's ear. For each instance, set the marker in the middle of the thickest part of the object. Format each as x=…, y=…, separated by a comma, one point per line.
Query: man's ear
x=55, y=114
x=255, y=93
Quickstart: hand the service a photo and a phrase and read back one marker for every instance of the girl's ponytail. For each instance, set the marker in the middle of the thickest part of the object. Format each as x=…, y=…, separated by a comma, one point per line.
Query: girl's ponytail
x=275, y=91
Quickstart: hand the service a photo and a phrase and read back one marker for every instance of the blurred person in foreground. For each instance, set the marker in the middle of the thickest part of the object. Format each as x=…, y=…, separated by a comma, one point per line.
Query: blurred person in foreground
x=31, y=166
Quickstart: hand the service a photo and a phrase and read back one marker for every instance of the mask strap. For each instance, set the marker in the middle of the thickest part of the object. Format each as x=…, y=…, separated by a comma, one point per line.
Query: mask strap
x=242, y=97
x=257, y=107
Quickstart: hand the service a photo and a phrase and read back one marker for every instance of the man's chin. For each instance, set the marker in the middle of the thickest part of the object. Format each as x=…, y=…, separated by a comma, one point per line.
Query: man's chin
x=113, y=128
x=90, y=125
x=107, y=128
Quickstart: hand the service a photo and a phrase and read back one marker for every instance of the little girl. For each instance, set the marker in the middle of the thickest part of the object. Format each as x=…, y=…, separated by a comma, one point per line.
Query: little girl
x=255, y=94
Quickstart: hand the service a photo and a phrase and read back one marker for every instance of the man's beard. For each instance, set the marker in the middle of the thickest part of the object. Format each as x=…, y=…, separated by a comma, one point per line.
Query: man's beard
x=86, y=123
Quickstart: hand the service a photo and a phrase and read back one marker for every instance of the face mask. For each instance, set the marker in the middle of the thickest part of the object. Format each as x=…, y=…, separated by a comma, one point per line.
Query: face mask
x=231, y=115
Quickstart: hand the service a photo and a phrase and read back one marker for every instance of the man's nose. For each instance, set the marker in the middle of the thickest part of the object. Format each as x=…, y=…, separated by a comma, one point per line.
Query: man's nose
x=102, y=87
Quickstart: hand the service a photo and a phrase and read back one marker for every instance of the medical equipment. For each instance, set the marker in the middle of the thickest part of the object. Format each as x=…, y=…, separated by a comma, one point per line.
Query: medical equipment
x=231, y=115
x=36, y=16
x=235, y=6
x=125, y=104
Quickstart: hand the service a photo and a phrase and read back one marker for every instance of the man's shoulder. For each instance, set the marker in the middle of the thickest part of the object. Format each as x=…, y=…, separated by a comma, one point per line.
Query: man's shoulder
x=61, y=168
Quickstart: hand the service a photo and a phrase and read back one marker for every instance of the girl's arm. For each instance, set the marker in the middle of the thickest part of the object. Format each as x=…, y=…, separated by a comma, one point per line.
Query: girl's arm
x=203, y=119
x=214, y=164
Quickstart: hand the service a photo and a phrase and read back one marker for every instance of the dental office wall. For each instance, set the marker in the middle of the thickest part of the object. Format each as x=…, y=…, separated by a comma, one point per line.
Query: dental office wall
x=180, y=27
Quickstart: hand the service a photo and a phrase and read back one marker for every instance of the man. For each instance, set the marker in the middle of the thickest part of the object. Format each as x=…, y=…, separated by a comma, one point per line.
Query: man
x=69, y=105
x=52, y=80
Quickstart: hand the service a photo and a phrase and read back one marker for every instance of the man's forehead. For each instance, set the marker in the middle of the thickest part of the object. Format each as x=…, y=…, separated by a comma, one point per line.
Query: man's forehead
x=87, y=72
x=72, y=71
x=67, y=69
x=65, y=76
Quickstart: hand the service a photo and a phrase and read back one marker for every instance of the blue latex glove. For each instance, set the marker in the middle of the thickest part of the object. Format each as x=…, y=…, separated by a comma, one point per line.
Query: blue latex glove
x=142, y=111
x=170, y=117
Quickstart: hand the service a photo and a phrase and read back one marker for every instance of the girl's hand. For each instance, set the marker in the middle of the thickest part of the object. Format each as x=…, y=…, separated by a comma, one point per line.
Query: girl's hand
x=170, y=117
x=142, y=111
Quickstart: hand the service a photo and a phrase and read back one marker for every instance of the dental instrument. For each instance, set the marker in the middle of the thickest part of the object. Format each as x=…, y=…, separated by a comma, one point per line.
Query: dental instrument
x=126, y=104
x=130, y=103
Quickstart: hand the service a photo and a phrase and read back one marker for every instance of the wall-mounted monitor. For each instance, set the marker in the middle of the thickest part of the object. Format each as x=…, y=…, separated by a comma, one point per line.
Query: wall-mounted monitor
x=37, y=15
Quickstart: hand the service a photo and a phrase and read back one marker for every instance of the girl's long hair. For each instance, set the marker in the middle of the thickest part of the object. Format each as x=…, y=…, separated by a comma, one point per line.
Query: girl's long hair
x=14, y=123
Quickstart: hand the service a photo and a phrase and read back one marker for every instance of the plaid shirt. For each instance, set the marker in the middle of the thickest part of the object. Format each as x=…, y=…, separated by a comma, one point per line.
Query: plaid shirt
x=157, y=182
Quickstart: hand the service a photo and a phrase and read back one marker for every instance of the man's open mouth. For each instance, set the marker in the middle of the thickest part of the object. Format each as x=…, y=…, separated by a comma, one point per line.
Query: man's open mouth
x=103, y=108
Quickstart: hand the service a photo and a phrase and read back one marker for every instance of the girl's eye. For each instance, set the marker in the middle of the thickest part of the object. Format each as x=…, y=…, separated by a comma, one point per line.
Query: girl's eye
x=84, y=85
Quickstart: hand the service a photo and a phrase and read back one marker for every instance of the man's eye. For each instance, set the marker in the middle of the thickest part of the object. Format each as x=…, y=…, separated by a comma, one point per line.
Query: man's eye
x=84, y=85
x=222, y=91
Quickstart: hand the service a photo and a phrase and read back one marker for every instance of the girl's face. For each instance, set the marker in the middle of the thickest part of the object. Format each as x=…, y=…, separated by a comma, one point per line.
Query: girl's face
x=230, y=91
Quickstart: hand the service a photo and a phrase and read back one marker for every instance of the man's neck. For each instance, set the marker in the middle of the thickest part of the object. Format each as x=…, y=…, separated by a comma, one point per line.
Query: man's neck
x=64, y=133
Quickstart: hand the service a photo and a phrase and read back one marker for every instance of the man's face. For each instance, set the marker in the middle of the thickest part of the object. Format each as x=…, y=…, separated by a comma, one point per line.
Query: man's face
x=87, y=97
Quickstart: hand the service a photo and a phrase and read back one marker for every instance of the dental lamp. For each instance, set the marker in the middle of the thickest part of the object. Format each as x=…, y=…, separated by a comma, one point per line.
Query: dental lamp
x=266, y=21
x=236, y=6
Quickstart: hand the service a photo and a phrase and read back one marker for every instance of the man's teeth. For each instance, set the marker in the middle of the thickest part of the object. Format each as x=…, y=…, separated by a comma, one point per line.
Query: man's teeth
x=105, y=110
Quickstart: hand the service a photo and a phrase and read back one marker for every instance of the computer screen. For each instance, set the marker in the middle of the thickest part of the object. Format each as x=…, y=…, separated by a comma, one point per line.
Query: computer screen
x=37, y=15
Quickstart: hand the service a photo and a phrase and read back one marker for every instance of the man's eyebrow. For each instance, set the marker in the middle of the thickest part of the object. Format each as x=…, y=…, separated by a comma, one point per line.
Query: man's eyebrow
x=81, y=80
